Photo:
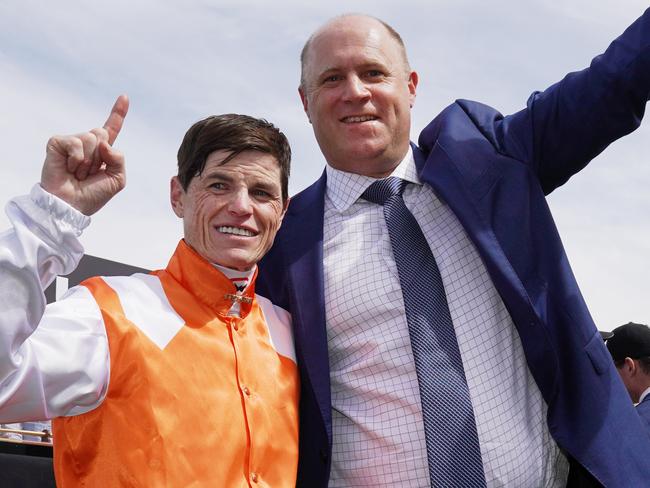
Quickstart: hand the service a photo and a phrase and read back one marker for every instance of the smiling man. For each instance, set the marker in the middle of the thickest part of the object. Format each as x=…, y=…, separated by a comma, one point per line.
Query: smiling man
x=128, y=368
x=441, y=335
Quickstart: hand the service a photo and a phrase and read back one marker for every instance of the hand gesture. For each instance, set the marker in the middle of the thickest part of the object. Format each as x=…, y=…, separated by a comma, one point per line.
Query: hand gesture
x=83, y=169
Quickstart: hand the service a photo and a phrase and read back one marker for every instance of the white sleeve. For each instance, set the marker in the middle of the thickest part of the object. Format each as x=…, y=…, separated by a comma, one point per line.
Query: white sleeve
x=53, y=361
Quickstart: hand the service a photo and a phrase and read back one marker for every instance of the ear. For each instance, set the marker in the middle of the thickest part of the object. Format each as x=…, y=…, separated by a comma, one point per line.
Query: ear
x=412, y=85
x=305, y=103
x=176, y=194
x=630, y=366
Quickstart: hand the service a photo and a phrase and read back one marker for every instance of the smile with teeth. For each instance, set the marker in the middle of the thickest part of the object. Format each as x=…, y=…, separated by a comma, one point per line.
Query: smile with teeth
x=355, y=119
x=238, y=231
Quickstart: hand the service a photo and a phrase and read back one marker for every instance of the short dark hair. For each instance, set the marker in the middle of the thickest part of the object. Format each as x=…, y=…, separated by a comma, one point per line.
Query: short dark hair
x=234, y=133
x=391, y=31
x=645, y=364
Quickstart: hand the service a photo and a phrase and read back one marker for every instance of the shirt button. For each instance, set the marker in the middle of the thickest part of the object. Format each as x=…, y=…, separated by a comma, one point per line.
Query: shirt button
x=254, y=477
x=246, y=391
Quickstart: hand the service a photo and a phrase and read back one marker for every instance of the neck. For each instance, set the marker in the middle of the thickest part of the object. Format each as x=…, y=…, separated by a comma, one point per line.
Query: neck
x=644, y=392
x=378, y=167
x=235, y=273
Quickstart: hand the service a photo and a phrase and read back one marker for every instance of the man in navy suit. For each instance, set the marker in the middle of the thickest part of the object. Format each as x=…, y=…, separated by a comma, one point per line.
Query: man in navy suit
x=629, y=346
x=543, y=389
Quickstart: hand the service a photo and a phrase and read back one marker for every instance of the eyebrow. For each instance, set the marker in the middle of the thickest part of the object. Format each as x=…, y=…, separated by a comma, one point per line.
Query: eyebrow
x=361, y=67
x=218, y=175
x=268, y=187
x=260, y=182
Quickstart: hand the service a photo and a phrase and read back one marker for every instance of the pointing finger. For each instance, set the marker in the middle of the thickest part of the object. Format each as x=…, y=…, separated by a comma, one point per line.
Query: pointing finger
x=115, y=120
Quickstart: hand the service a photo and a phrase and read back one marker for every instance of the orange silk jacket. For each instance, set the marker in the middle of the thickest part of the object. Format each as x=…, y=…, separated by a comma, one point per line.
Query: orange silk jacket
x=195, y=397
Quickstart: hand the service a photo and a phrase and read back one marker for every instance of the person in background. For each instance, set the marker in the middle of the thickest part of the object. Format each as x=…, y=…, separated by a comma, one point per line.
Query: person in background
x=629, y=346
x=128, y=367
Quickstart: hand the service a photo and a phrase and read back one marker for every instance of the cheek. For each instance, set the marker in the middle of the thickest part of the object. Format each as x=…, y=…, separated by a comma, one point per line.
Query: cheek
x=199, y=214
x=203, y=208
x=272, y=220
x=323, y=107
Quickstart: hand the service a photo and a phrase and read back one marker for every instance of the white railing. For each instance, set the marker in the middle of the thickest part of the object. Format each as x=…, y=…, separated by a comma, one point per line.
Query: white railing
x=45, y=436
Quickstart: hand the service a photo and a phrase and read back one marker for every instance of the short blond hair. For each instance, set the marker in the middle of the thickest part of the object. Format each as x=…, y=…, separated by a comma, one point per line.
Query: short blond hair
x=391, y=31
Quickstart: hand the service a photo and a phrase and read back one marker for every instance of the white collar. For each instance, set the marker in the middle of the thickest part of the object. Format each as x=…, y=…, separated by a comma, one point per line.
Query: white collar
x=344, y=188
x=235, y=273
x=644, y=394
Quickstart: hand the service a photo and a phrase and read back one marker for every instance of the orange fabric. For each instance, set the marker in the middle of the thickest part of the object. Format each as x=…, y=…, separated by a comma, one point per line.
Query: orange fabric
x=216, y=407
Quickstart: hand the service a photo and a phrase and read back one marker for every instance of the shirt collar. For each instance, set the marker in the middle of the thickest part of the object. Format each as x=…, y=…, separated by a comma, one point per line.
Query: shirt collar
x=207, y=283
x=343, y=188
x=644, y=394
x=240, y=279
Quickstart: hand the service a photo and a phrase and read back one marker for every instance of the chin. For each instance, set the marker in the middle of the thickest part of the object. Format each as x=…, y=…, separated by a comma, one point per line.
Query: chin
x=370, y=149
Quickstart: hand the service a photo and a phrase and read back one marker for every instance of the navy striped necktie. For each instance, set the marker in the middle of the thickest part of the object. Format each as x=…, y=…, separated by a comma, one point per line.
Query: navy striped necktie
x=453, y=450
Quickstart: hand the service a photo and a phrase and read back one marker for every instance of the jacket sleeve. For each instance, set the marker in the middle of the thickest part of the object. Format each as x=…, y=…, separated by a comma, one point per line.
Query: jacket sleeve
x=53, y=360
x=565, y=126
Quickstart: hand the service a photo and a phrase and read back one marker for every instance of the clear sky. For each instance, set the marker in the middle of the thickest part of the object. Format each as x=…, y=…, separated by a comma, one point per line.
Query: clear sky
x=63, y=63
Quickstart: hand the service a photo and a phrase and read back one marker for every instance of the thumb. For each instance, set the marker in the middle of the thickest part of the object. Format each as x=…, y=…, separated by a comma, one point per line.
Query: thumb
x=113, y=158
x=114, y=170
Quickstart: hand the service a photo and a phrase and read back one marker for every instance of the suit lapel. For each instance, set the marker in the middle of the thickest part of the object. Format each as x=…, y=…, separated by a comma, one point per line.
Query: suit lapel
x=304, y=244
x=439, y=171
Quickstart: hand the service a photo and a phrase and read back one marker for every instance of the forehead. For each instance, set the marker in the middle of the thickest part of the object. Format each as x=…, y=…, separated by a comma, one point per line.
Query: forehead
x=352, y=40
x=248, y=165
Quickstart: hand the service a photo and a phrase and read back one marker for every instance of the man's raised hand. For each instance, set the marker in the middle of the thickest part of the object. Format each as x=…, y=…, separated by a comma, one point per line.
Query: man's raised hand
x=83, y=169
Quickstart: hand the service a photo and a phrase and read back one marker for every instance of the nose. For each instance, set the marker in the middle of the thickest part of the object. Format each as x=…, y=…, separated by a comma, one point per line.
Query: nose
x=355, y=89
x=240, y=203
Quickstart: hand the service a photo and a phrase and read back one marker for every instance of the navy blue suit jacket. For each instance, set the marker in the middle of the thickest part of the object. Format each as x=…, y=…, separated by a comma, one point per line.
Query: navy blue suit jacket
x=493, y=172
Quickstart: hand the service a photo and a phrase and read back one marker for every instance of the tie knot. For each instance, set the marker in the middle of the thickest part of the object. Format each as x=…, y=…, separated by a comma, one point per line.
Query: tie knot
x=382, y=190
